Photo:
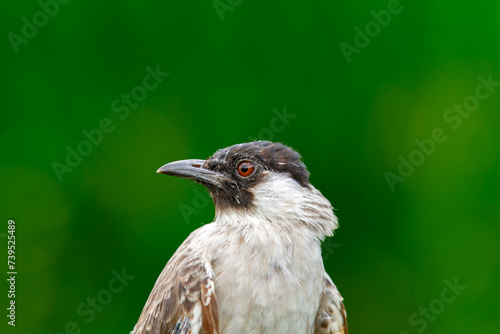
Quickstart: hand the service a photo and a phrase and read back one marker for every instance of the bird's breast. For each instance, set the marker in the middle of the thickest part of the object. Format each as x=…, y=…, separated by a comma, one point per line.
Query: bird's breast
x=268, y=284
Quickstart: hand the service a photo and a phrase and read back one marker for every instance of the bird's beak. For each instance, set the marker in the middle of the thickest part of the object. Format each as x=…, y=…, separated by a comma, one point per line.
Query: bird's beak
x=193, y=169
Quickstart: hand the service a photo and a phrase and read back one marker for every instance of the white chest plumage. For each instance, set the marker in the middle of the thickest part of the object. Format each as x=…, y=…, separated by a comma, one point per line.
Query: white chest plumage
x=277, y=298
x=272, y=279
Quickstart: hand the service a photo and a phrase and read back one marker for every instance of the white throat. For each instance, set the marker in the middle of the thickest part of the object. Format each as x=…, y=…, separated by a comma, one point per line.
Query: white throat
x=282, y=205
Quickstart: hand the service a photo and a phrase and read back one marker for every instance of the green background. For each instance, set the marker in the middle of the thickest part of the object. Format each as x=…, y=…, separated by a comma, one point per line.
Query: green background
x=352, y=122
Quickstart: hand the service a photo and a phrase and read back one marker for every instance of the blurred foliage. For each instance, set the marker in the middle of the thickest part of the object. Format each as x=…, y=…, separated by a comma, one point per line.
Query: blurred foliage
x=351, y=123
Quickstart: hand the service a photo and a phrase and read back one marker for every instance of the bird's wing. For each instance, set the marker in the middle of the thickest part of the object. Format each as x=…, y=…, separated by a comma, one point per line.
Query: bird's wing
x=331, y=316
x=183, y=299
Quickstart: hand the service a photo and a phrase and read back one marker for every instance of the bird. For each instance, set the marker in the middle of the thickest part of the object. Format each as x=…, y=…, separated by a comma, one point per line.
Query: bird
x=257, y=268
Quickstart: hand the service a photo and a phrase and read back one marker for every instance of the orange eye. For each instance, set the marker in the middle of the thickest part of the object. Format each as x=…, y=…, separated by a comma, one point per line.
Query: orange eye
x=246, y=168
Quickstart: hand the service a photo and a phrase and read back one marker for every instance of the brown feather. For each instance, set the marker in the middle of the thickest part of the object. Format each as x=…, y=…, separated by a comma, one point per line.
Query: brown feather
x=185, y=285
x=331, y=317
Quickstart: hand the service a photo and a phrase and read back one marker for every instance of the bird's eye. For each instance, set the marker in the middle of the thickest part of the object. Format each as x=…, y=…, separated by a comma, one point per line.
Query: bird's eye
x=246, y=168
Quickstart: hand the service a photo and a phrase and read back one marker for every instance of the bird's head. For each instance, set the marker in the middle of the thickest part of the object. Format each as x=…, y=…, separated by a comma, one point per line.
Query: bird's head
x=263, y=178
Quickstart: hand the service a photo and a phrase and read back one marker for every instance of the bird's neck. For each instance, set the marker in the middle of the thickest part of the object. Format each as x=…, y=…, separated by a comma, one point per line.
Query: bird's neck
x=305, y=213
